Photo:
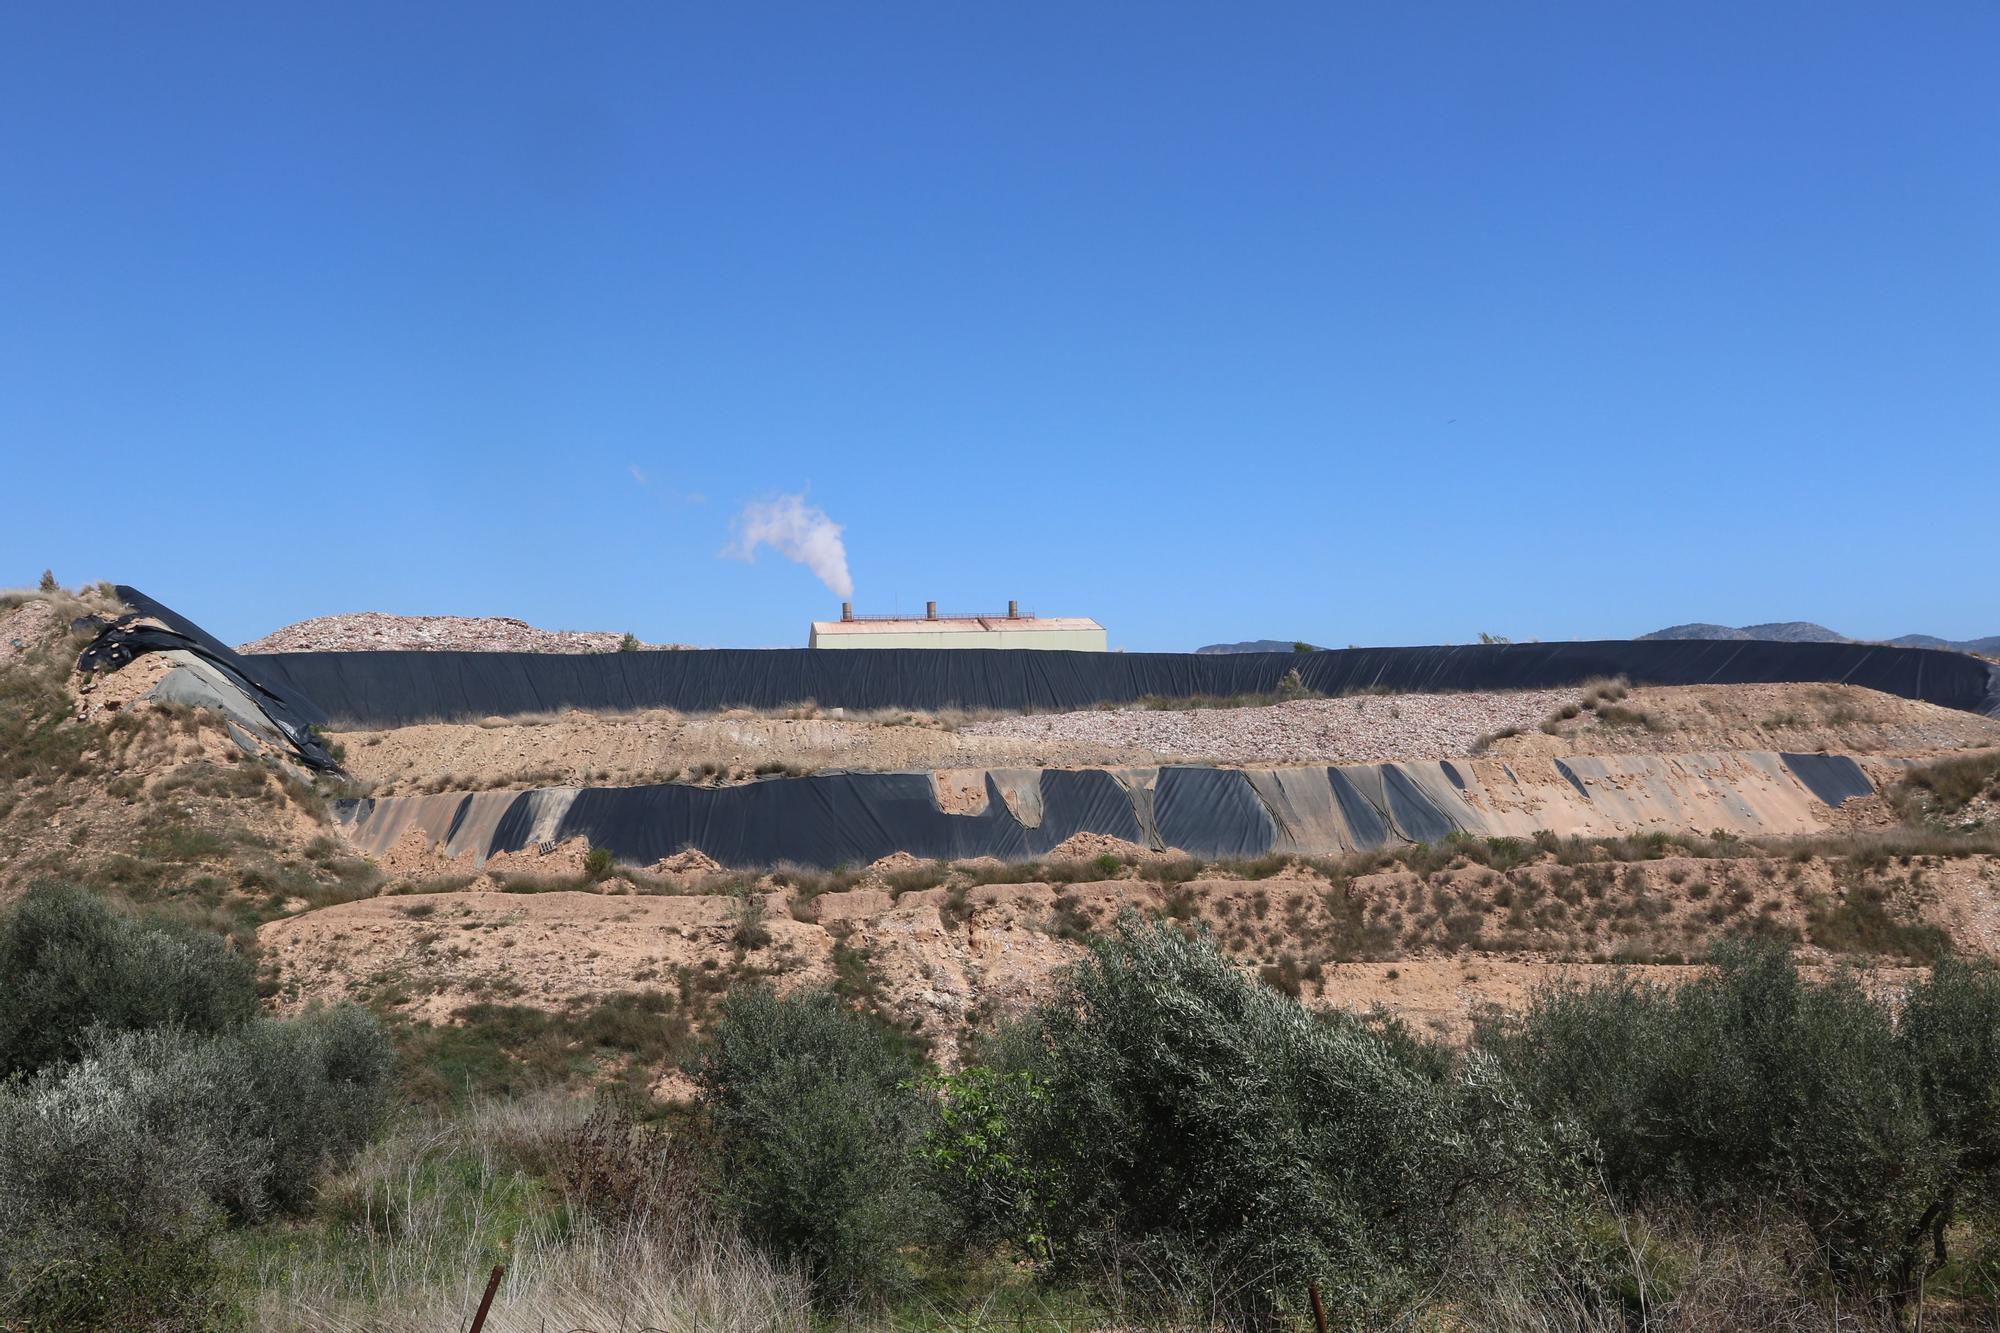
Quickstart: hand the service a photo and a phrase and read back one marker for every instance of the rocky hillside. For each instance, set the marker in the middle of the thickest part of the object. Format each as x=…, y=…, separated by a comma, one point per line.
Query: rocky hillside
x=1252, y=646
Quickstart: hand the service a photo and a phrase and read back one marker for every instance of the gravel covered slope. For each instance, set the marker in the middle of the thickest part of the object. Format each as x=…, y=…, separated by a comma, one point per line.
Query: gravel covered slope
x=364, y=630
x=1331, y=731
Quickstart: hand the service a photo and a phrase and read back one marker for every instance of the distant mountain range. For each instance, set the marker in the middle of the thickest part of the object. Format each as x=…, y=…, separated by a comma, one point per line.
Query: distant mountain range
x=1252, y=646
x=1781, y=631
x=1804, y=631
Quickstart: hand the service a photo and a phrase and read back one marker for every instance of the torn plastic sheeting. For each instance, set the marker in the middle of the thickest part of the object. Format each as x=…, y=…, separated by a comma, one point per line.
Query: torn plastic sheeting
x=197, y=684
x=1141, y=785
x=282, y=709
x=400, y=688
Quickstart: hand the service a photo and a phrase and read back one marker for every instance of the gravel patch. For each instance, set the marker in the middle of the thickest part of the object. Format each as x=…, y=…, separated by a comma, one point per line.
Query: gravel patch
x=1363, y=729
x=363, y=631
x=25, y=629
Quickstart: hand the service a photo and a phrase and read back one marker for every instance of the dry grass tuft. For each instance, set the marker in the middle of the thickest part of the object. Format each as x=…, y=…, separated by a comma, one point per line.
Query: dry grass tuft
x=406, y=1236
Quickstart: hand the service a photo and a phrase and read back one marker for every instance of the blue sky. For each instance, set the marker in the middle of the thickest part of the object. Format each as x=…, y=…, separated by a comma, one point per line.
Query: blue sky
x=1361, y=323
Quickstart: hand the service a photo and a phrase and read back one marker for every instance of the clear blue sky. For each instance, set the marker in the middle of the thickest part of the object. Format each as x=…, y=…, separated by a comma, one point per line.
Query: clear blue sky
x=1364, y=323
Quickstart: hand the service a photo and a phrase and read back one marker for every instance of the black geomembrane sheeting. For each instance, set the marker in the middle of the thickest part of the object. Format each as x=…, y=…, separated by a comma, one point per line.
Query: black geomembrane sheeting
x=293, y=713
x=1831, y=777
x=830, y=820
x=378, y=689
x=851, y=819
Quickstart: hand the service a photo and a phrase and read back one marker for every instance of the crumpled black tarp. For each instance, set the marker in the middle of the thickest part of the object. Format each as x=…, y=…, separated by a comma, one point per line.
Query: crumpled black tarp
x=384, y=689
x=291, y=714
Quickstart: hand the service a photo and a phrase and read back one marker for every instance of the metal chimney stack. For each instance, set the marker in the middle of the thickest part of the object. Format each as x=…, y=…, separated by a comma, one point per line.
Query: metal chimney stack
x=930, y=610
x=847, y=610
x=1013, y=609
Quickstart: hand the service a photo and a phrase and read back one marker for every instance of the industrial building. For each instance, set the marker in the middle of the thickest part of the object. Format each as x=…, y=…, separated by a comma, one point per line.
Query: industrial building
x=1076, y=634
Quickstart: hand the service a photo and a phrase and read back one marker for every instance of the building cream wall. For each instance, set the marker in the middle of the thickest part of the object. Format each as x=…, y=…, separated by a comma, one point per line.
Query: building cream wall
x=1071, y=640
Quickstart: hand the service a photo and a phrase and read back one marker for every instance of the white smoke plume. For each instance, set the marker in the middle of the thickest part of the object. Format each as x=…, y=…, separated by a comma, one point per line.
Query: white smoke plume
x=800, y=532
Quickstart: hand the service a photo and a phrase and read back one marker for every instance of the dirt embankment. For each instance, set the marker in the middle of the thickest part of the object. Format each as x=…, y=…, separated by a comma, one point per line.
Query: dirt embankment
x=1797, y=718
x=584, y=749
x=1438, y=949
x=26, y=629
x=577, y=747
x=1354, y=730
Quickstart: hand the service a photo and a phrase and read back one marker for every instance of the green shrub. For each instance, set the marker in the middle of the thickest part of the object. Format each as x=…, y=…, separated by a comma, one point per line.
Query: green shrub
x=988, y=1188
x=117, y=1169
x=1202, y=1133
x=1292, y=688
x=816, y=1121
x=69, y=963
x=1950, y=1033
x=319, y=1087
x=1748, y=1085
x=597, y=862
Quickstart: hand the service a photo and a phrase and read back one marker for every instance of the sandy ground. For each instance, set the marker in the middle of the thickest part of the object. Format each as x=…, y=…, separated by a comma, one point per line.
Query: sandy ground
x=949, y=959
x=580, y=748
x=1449, y=997
x=1801, y=718
x=24, y=629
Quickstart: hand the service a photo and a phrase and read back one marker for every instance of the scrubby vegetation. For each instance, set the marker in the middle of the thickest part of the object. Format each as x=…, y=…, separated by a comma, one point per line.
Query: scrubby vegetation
x=1162, y=1141
x=815, y=1120
x=149, y=1111
x=1961, y=793
x=71, y=969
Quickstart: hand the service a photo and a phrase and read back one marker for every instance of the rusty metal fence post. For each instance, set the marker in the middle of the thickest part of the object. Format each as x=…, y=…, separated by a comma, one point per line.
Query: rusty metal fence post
x=486, y=1301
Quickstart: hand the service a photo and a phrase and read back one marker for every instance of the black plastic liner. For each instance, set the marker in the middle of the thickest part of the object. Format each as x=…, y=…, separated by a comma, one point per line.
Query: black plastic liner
x=292, y=713
x=1211, y=812
x=1366, y=817
x=852, y=819
x=831, y=820
x=386, y=689
x=1416, y=814
x=1831, y=777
